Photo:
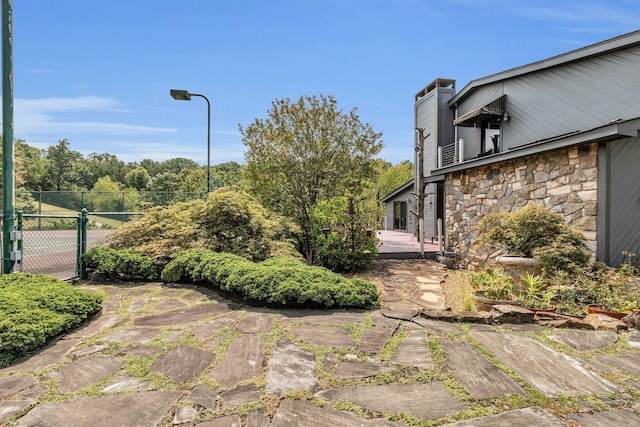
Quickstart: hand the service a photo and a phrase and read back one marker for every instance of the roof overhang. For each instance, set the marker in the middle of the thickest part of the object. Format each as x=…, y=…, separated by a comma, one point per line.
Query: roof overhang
x=615, y=130
x=399, y=190
x=475, y=117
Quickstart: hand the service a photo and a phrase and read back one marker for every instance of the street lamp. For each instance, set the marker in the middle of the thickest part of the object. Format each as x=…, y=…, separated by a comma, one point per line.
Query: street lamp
x=183, y=95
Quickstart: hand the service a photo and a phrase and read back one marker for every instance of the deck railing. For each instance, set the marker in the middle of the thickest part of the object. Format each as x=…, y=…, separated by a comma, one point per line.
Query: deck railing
x=451, y=154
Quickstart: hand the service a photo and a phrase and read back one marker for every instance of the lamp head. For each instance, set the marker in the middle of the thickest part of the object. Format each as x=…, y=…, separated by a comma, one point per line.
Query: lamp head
x=180, y=95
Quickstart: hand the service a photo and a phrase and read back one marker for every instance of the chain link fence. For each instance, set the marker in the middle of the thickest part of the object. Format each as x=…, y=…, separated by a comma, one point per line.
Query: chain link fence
x=54, y=202
x=54, y=244
x=58, y=227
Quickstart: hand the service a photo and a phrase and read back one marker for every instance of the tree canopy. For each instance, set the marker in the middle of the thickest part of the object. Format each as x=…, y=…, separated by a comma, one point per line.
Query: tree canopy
x=305, y=151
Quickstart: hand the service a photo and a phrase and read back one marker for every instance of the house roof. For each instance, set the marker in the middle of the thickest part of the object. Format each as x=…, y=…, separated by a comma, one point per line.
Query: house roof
x=611, y=45
x=399, y=190
x=614, y=130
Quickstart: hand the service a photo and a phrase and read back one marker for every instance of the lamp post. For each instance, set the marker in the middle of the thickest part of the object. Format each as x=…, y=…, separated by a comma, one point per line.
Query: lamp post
x=183, y=95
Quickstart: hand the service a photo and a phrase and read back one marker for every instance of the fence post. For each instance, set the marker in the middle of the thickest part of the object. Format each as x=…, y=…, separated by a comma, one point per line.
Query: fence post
x=82, y=242
x=19, y=241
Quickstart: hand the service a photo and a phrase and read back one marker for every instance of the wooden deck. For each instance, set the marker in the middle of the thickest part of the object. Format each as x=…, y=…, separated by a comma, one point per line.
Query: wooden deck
x=399, y=245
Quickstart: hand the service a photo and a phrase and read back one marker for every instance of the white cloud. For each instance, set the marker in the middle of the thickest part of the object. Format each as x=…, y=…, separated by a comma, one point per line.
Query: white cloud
x=45, y=116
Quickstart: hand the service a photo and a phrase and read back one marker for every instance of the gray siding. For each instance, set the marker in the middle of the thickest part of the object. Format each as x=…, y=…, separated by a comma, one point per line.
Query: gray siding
x=573, y=97
x=425, y=118
x=622, y=202
x=404, y=196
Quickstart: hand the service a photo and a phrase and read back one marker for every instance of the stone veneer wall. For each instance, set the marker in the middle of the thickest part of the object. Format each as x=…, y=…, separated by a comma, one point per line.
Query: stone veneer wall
x=564, y=181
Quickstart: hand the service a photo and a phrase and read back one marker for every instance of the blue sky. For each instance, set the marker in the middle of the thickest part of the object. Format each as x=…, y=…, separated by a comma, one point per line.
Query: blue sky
x=98, y=73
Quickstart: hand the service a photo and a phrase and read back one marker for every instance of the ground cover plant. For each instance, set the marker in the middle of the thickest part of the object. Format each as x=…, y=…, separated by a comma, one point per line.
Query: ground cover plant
x=117, y=263
x=36, y=308
x=275, y=281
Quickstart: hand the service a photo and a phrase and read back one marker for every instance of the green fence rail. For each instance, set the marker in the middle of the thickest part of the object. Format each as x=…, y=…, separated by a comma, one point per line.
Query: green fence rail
x=103, y=201
x=54, y=244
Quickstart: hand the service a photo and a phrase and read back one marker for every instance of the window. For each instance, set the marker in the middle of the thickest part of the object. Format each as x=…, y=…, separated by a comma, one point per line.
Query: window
x=399, y=215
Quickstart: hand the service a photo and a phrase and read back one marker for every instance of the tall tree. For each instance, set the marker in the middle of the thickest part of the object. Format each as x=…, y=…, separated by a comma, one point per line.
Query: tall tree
x=30, y=166
x=307, y=151
x=60, y=168
x=394, y=176
x=104, y=164
x=138, y=178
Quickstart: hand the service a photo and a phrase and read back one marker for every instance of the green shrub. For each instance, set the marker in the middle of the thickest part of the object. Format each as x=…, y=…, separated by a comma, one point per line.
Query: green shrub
x=228, y=221
x=276, y=281
x=35, y=308
x=494, y=284
x=535, y=231
x=124, y=262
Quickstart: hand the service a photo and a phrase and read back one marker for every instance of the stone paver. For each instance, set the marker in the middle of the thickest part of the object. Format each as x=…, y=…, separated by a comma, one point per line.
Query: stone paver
x=551, y=372
x=255, y=323
x=132, y=335
x=183, y=363
x=125, y=384
x=204, y=331
x=324, y=335
x=585, y=340
x=333, y=317
x=138, y=409
x=399, y=398
x=623, y=363
x=169, y=304
x=299, y=413
x=228, y=421
x=622, y=417
x=373, y=339
x=204, y=396
x=11, y=407
x=242, y=361
x=49, y=356
x=15, y=383
x=533, y=416
x=476, y=374
x=96, y=326
x=290, y=368
x=414, y=351
x=189, y=314
x=359, y=369
x=224, y=356
x=239, y=396
x=83, y=372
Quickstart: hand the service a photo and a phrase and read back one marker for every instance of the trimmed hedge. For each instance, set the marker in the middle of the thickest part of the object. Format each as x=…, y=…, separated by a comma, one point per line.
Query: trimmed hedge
x=114, y=262
x=35, y=308
x=282, y=281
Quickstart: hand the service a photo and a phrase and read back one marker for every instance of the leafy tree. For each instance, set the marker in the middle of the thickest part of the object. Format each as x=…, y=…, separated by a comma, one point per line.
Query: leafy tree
x=101, y=165
x=307, y=151
x=393, y=176
x=165, y=181
x=106, y=196
x=61, y=166
x=178, y=164
x=138, y=178
x=30, y=166
x=229, y=173
x=151, y=166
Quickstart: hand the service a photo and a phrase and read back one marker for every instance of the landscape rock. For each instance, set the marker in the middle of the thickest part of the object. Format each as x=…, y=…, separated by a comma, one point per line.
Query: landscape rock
x=506, y=313
x=604, y=322
x=632, y=320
